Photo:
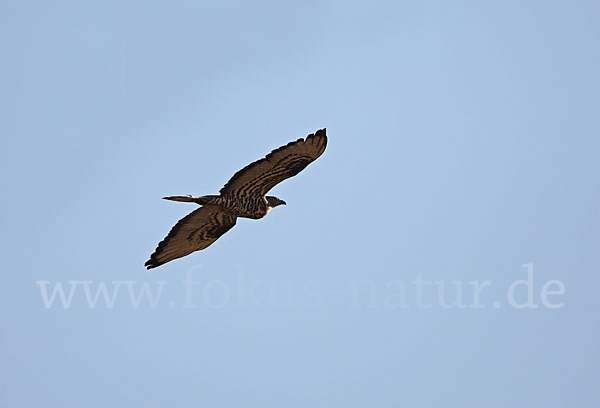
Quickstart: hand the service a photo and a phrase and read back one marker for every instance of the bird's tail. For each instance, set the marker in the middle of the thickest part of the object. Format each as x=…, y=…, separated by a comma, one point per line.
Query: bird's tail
x=191, y=199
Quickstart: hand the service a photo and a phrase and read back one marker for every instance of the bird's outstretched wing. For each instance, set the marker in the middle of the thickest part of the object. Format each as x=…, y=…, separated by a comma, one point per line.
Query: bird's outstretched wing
x=259, y=177
x=193, y=232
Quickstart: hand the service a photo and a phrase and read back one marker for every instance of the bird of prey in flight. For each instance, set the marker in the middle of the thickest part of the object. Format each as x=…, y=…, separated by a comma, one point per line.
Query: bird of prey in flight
x=244, y=195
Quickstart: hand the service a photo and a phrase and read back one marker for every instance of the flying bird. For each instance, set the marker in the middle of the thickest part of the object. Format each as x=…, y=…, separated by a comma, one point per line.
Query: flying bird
x=244, y=196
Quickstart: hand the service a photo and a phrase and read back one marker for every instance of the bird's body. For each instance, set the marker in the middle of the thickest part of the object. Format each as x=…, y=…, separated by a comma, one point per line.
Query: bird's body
x=254, y=207
x=244, y=196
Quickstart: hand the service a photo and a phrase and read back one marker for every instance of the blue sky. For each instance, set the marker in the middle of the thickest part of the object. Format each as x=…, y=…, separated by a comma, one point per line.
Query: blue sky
x=463, y=153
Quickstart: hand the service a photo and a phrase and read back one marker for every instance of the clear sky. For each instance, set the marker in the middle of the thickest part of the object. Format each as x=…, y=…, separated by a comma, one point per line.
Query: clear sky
x=463, y=156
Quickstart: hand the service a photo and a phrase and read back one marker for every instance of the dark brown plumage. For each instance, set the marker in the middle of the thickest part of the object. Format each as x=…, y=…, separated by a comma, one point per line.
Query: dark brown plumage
x=244, y=195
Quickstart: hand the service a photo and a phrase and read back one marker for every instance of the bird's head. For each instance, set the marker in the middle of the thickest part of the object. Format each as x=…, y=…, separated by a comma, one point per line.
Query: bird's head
x=274, y=201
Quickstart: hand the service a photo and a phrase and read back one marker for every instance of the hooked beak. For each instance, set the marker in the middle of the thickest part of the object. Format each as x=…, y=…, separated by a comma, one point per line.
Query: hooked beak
x=283, y=202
